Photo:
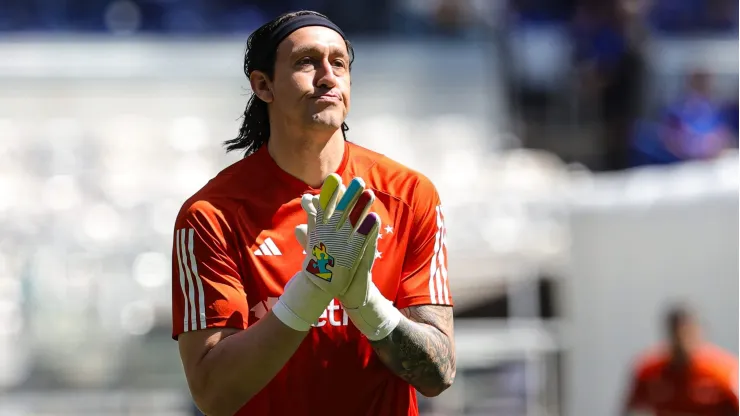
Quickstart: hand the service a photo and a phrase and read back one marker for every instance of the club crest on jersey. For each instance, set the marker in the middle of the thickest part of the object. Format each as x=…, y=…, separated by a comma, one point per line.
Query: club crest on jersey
x=319, y=266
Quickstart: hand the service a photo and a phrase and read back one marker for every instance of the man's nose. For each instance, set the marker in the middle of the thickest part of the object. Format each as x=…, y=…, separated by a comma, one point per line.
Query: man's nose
x=326, y=76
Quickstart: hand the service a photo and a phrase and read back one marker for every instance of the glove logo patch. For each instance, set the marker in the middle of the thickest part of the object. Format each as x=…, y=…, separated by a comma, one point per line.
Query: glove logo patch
x=319, y=266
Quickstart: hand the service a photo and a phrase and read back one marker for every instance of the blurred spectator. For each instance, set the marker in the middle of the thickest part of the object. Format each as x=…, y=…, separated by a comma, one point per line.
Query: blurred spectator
x=685, y=375
x=608, y=40
x=694, y=127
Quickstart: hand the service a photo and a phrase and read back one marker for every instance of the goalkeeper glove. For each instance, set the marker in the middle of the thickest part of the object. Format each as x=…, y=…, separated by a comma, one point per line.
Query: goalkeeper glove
x=372, y=314
x=337, y=232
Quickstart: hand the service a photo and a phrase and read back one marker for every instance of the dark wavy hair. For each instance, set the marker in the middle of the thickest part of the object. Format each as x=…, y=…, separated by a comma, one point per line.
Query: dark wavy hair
x=255, y=128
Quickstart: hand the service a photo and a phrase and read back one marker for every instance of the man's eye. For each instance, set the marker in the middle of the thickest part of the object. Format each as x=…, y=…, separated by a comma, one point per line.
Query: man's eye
x=304, y=61
x=339, y=63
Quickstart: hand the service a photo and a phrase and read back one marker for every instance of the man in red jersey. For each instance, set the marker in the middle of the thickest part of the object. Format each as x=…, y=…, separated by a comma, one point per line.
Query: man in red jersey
x=685, y=377
x=243, y=350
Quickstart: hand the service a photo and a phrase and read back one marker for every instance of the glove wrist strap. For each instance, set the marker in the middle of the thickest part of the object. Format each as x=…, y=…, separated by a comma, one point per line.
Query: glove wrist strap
x=301, y=303
x=377, y=318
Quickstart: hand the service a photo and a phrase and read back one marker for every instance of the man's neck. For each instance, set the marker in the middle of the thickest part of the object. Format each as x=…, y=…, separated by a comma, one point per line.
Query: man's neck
x=681, y=354
x=310, y=159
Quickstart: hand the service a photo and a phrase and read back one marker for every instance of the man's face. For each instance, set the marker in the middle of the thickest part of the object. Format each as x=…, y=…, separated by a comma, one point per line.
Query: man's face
x=311, y=83
x=687, y=335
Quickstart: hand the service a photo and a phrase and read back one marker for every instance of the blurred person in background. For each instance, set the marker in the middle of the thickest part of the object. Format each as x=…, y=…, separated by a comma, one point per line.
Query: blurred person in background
x=243, y=348
x=694, y=127
x=684, y=376
x=609, y=38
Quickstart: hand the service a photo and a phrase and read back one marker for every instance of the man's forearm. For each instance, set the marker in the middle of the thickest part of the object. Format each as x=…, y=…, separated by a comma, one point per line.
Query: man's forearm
x=420, y=349
x=240, y=365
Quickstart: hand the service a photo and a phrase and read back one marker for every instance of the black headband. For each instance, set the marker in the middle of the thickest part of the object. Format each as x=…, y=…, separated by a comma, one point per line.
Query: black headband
x=291, y=25
x=259, y=54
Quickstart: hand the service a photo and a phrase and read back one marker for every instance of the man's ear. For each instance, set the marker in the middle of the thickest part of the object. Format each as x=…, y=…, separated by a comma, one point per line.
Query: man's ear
x=261, y=86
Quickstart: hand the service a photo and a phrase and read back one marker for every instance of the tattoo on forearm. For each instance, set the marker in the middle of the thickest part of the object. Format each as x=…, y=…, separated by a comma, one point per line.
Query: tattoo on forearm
x=420, y=350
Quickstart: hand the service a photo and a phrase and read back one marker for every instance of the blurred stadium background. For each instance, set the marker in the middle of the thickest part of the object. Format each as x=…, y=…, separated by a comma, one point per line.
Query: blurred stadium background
x=112, y=112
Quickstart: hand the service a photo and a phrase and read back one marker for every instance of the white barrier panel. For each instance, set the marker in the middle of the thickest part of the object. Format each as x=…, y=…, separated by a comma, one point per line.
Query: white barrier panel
x=639, y=240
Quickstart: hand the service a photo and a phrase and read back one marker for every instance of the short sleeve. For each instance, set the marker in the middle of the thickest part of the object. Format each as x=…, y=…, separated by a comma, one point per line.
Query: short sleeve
x=424, y=274
x=207, y=290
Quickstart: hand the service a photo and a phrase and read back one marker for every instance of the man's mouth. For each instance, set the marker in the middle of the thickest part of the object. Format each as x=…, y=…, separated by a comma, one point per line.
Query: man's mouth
x=332, y=96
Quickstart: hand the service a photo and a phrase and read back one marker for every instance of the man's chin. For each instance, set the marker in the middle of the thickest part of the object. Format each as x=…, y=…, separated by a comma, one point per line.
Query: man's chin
x=326, y=122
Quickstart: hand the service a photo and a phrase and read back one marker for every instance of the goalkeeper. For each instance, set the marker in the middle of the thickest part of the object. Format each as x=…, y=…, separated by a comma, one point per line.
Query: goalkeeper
x=271, y=324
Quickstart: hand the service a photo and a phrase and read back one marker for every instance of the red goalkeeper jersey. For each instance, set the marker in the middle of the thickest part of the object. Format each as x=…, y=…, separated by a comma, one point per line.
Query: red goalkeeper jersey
x=234, y=250
x=707, y=387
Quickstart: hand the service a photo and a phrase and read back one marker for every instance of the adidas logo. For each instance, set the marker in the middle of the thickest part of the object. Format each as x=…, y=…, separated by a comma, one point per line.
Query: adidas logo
x=268, y=248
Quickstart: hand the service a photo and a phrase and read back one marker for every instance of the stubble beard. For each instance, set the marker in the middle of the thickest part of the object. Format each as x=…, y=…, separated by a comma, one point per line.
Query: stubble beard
x=328, y=119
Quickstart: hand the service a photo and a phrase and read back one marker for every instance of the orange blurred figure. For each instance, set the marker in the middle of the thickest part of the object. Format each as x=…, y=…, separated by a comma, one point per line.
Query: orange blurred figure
x=684, y=376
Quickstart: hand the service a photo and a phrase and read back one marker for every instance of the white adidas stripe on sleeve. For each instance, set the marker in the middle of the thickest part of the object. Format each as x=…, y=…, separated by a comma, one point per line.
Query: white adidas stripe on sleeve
x=438, y=290
x=433, y=267
x=182, y=277
x=194, y=267
x=194, y=313
x=442, y=258
x=443, y=262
